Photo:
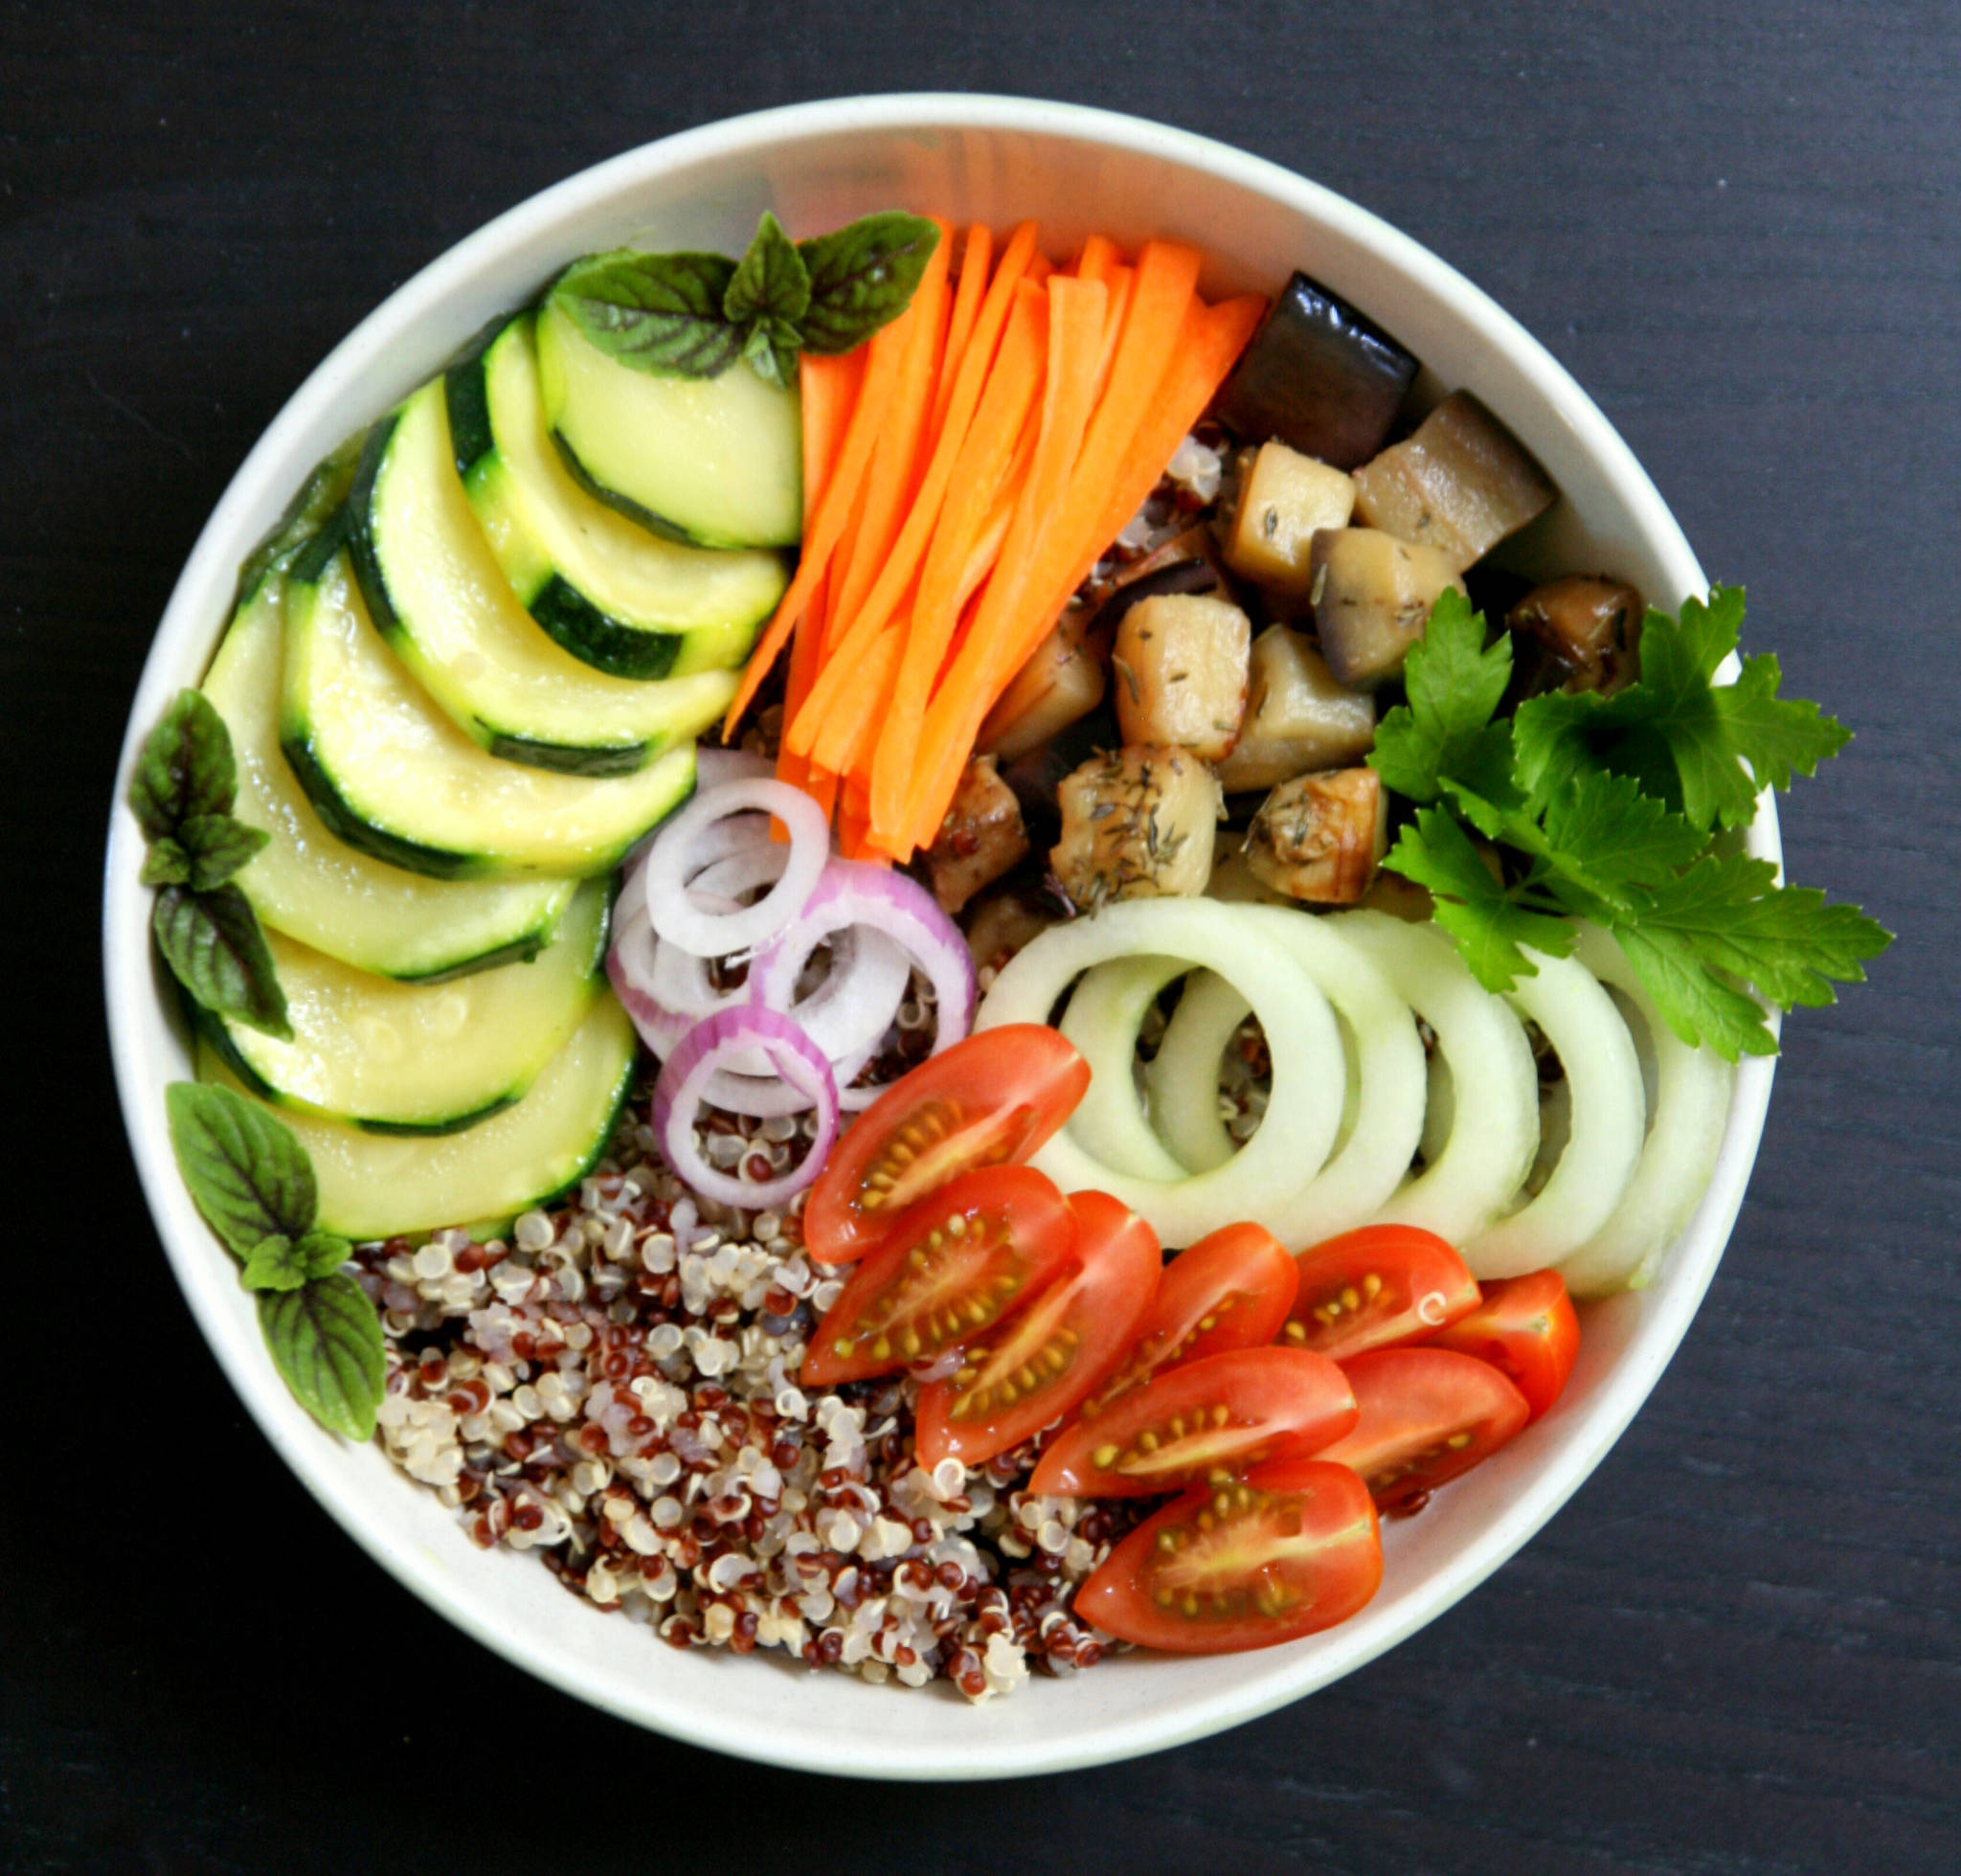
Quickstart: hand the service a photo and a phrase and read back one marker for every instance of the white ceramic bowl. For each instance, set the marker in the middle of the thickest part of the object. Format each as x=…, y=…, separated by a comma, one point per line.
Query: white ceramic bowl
x=969, y=158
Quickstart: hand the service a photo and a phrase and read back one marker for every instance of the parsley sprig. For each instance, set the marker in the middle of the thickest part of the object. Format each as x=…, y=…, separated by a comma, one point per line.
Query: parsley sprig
x=1607, y=808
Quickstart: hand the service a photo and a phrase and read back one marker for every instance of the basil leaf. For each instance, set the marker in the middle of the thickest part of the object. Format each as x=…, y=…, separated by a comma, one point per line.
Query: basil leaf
x=770, y=279
x=246, y=1173
x=213, y=944
x=325, y=1338
x=186, y=767
x=323, y=1253
x=274, y=1264
x=862, y=276
x=218, y=846
x=656, y=312
x=771, y=352
x=165, y=863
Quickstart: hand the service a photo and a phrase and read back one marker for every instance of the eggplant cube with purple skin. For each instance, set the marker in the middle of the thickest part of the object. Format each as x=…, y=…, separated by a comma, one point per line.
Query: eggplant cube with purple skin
x=1284, y=499
x=1321, y=837
x=1137, y=824
x=1372, y=596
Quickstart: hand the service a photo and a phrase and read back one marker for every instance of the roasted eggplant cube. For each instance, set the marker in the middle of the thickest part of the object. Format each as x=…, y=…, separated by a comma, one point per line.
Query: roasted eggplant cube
x=1284, y=499
x=1585, y=633
x=1060, y=683
x=1319, y=376
x=1321, y=837
x=1372, y=596
x=1297, y=717
x=1000, y=923
x=980, y=839
x=1137, y=824
x=1179, y=664
x=1459, y=483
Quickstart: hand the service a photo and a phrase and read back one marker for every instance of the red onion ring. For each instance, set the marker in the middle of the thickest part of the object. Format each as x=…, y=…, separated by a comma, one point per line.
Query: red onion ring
x=680, y=1092
x=675, y=860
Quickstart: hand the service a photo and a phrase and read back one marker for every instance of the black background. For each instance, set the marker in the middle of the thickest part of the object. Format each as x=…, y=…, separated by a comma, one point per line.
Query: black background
x=1737, y=1649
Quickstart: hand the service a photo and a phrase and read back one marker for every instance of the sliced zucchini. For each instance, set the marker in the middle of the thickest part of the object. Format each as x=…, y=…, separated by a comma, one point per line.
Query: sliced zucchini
x=390, y=774
x=715, y=461
x=434, y=588
x=324, y=893
x=427, y=1058
x=614, y=596
x=374, y=1185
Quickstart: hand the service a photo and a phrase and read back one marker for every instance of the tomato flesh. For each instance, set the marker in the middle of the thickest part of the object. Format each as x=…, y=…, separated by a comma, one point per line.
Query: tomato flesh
x=1526, y=1329
x=990, y=1100
x=1427, y=1416
x=1292, y=1548
x=1053, y=1353
x=1375, y=1287
x=1204, y=1420
x=952, y=1267
x=1231, y=1290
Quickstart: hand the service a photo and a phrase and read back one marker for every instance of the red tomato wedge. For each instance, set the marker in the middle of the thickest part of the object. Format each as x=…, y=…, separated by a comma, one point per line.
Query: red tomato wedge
x=988, y=1102
x=1428, y=1414
x=1201, y=1421
x=1525, y=1328
x=1383, y=1285
x=1043, y=1362
x=950, y=1269
x=1292, y=1548
x=1231, y=1290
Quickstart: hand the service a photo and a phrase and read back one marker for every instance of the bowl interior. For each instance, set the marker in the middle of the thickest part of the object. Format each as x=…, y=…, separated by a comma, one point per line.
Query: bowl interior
x=968, y=159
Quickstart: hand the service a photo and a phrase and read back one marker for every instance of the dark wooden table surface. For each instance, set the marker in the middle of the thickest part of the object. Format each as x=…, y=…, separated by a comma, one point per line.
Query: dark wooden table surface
x=1739, y=1648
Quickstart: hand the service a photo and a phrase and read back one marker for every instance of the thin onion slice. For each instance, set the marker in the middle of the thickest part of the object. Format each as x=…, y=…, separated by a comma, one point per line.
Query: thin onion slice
x=682, y=1089
x=675, y=861
x=1105, y=1012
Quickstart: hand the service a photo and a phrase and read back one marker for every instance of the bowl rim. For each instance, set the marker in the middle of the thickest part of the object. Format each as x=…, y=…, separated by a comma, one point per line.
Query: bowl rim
x=129, y=981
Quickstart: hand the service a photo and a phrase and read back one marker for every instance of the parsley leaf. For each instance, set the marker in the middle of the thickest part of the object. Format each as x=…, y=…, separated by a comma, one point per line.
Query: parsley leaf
x=1488, y=920
x=1454, y=684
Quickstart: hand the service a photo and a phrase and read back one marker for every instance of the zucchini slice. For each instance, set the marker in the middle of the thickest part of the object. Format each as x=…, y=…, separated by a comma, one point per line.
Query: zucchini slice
x=390, y=774
x=614, y=596
x=427, y=1058
x=434, y=588
x=328, y=896
x=715, y=461
x=376, y=1185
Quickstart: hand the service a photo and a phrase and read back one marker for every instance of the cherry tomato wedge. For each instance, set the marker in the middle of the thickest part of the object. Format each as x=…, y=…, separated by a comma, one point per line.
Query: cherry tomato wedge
x=1042, y=1363
x=950, y=1268
x=988, y=1102
x=1215, y=1416
x=1427, y=1416
x=1525, y=1328
x=1292, y=1548
x=1231, y=1290
x=1383, y=1285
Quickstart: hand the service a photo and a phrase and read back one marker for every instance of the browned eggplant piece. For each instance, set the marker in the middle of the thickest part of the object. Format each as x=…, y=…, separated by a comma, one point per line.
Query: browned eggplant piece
x=980, y=839
x=1296, y=716
x=1586, y=632
x=1372, y=596
x=1179, y=666
x=1037, y=776
x=1459, y=483
x=1321, y=837
x=1190, y=562
x=1319, y=376
x=1283, y=499
x=1400, y=898
x=1000, y=923
x=1063, y=681
x=1137, y=824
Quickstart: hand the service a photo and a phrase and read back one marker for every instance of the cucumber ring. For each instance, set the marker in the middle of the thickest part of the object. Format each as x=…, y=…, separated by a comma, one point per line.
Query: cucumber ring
x=1105, y=1012
x=1183, y=1079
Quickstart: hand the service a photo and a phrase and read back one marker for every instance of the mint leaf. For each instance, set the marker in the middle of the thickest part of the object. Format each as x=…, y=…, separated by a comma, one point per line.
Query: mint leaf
x=771, y=279
x=274, y=1264
x=165, y=863
x=1488, y=920
x=323, y=1253
x=213, y=946
x=185, y=768
x=771, y=352
x=246, y=1173
x=218, y=846
x=656, y=312
x=862, y=276
x=325, y=1340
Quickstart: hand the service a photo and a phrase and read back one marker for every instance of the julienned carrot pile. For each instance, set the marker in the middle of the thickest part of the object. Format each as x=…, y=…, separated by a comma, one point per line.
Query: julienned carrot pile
x=962, y=475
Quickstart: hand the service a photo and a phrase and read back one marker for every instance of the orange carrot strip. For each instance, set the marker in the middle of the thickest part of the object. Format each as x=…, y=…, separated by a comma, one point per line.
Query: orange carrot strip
x=994, y=530
x=833, y=508
x=1099, y=259
x=1011, y=389
x=1040, y=267
x=1122, y=285
x=827, y=388
x=975, y=258
x=843, y=732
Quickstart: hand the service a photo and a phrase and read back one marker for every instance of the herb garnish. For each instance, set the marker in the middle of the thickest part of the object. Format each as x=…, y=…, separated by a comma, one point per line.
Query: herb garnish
x=252, y=1181
x=1608, y=806
x=693, y=315
x=182, y=792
